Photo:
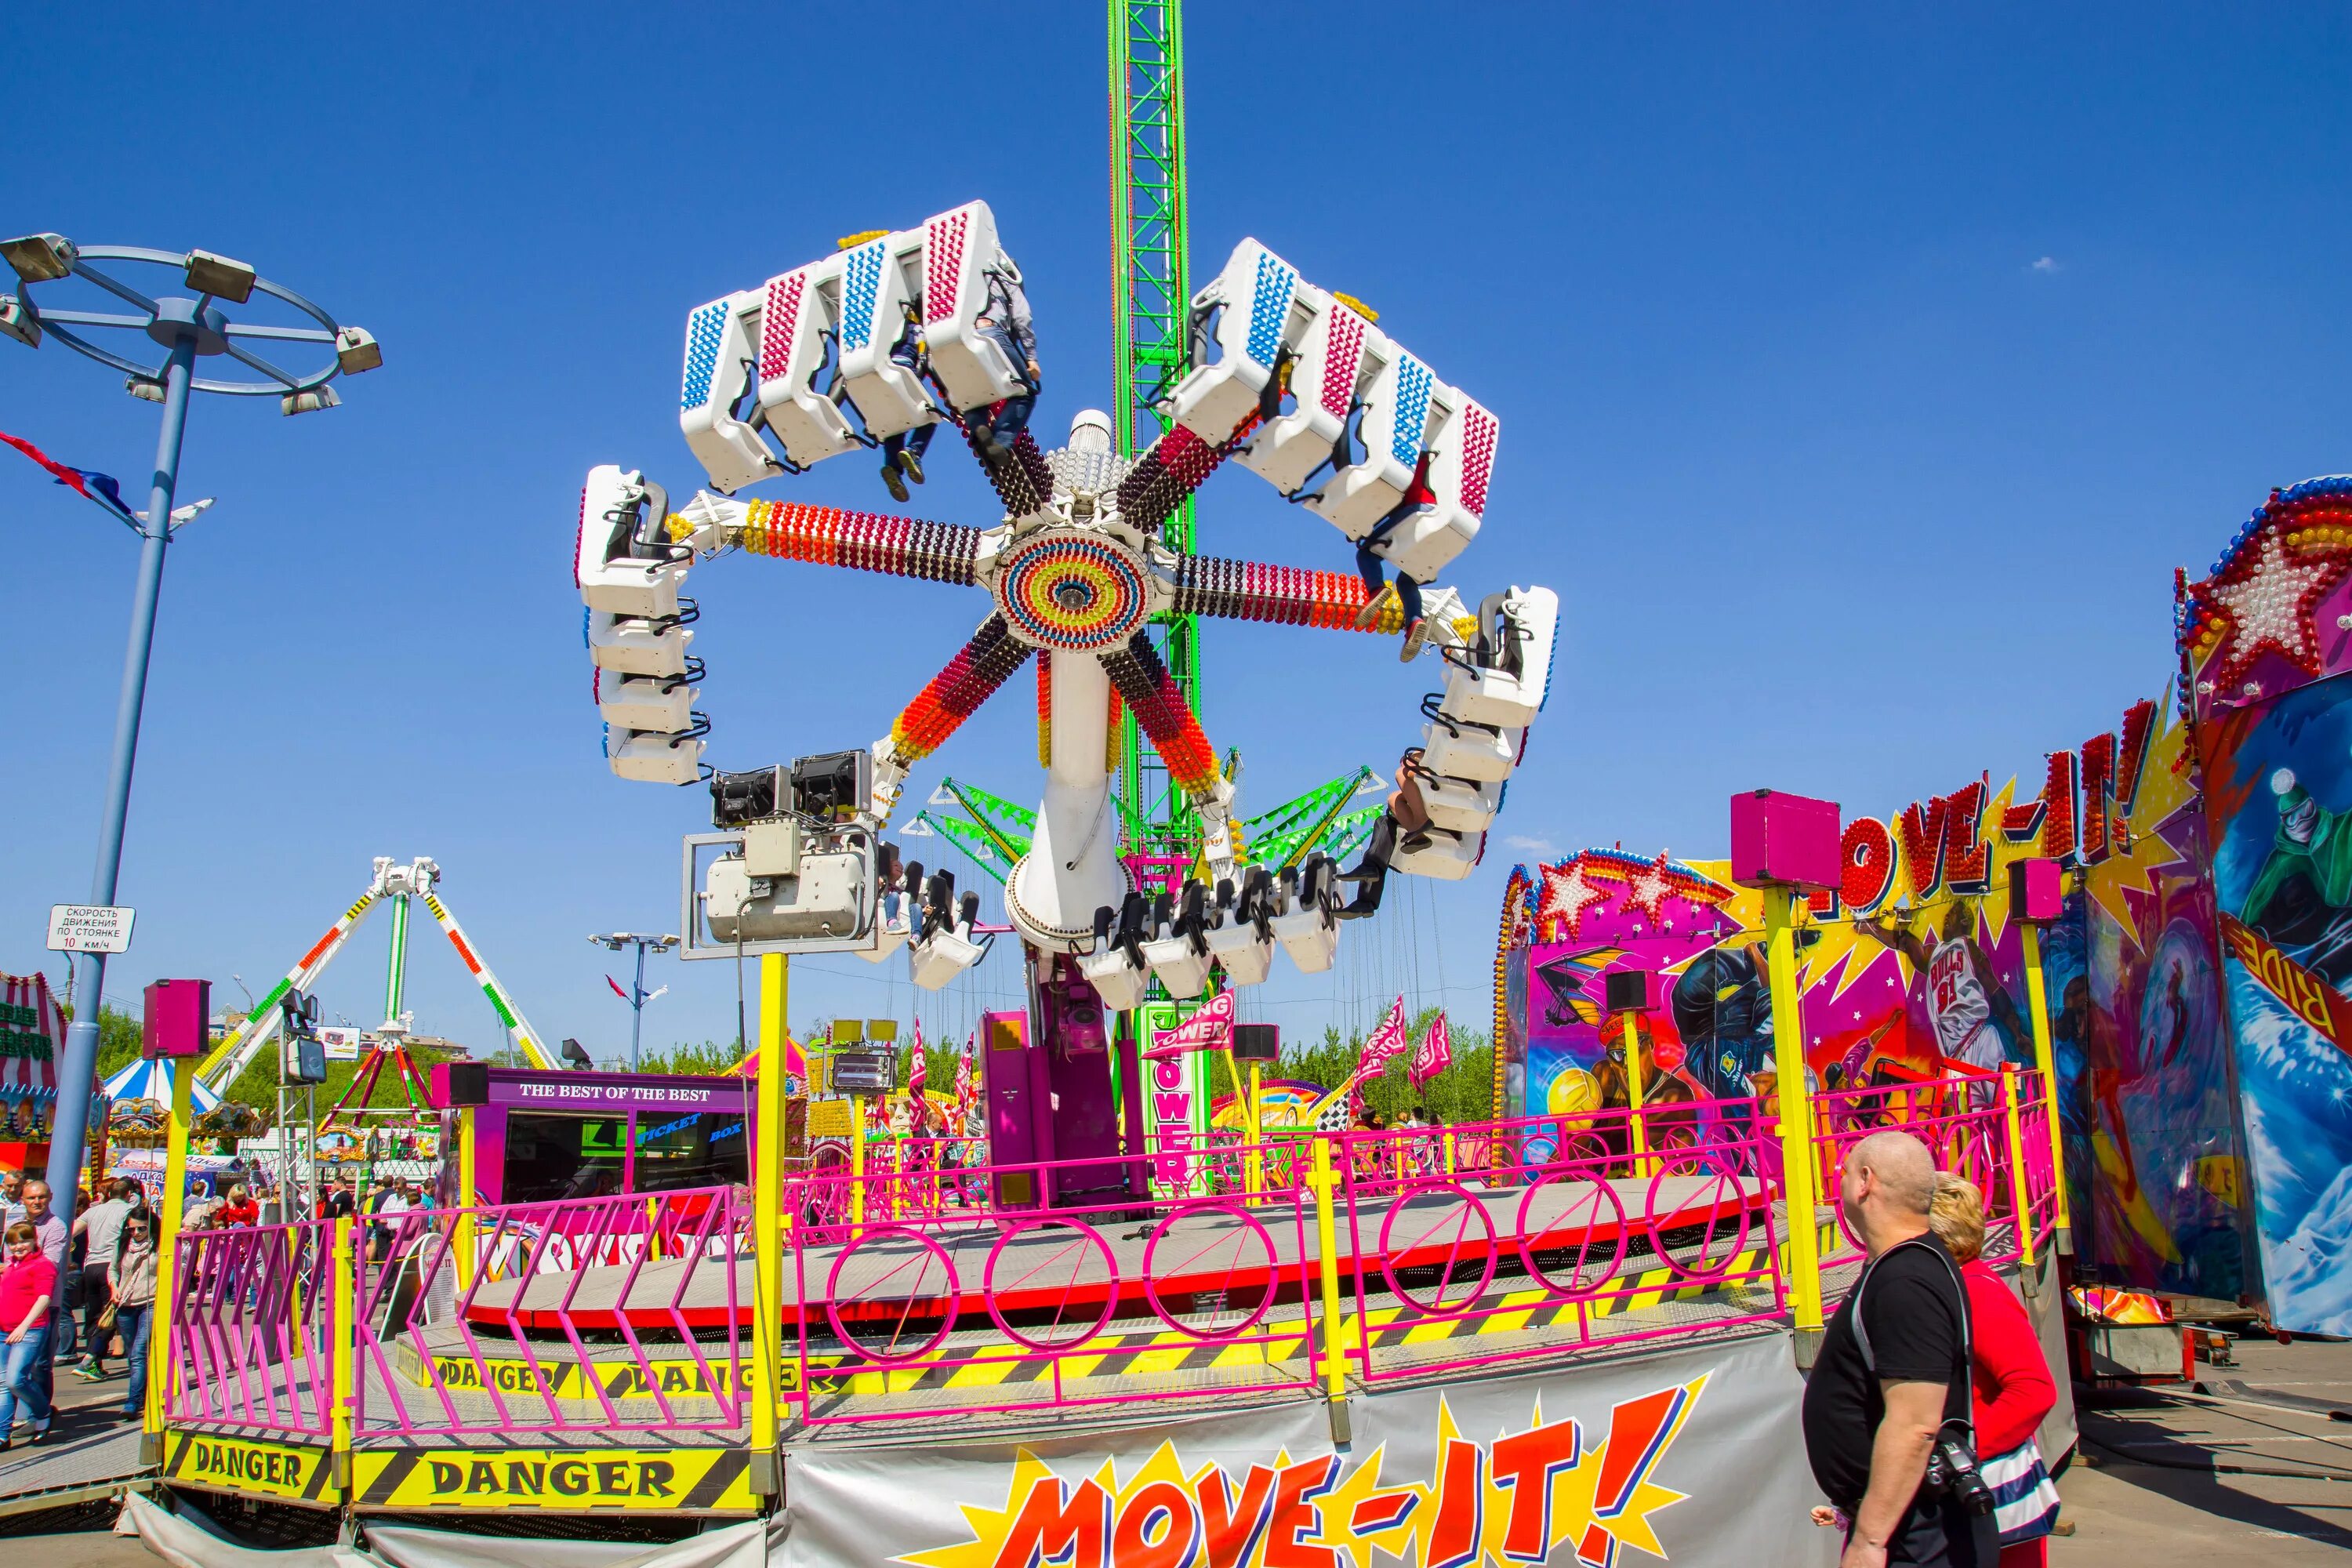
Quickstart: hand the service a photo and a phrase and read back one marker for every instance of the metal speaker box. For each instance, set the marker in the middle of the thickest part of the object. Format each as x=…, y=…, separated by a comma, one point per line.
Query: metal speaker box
x=173, y=1024
x=1257, y=1042
x=2035, y=890
x=1784, y=839
x=1626, y=990
x=469, y=1083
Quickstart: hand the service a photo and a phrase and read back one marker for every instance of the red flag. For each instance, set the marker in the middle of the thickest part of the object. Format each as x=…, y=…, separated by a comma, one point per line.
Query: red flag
x=88, y=482
x=1388, y=1042
x=617, y=988
x=1436, y=1054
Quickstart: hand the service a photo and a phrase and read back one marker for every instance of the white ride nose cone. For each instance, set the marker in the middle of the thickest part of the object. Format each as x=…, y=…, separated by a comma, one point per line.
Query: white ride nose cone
x=1309, y=936
x=1448, y=857
x=1248, y=958
x=1119, y=982
x=656, y=759
x=1460, y=806
x=1466, y=752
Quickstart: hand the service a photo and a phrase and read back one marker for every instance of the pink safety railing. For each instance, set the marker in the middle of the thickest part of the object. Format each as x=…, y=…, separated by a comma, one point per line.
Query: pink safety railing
x=254, y=1318
x=947, y=1292
x=1964, y=1123
x=622, y=1314
x=1561, y=1231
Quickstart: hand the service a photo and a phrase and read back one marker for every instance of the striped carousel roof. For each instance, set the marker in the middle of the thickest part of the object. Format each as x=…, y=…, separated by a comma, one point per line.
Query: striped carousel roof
x=145, y=1080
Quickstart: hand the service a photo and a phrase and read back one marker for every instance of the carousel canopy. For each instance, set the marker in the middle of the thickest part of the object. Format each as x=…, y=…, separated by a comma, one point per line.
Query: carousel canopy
x=144, y=1080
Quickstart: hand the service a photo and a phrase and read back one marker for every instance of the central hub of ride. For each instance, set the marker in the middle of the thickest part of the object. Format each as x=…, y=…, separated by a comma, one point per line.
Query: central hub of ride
x=1071, y=588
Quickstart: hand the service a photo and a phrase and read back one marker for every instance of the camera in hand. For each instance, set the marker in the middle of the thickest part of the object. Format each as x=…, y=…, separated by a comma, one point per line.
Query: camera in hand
x=1952, y=1469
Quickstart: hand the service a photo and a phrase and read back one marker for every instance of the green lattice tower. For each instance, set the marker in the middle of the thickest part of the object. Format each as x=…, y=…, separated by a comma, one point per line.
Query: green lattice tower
x=1151, y=294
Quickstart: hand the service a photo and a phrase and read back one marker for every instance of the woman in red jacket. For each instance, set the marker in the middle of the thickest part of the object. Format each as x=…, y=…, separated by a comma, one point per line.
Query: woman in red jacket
x=2013, y=1386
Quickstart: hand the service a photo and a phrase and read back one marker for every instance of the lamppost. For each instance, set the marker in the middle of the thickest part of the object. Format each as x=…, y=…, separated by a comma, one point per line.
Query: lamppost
x=638, y=996
x=187, y=330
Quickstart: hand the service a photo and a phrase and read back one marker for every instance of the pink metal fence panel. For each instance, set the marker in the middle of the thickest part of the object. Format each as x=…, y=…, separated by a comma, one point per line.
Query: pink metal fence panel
x=1964, y=1122
x=253, y=1321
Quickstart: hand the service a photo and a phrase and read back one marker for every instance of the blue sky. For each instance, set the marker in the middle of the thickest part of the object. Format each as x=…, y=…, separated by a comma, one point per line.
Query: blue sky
x=1863, y=373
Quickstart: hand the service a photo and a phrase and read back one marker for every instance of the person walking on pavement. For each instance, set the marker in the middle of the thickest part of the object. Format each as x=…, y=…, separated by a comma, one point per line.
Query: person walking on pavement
x=131, y=1280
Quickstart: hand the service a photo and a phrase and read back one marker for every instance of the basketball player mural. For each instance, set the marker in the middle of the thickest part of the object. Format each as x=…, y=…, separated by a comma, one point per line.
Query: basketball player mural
x=1970, y=1007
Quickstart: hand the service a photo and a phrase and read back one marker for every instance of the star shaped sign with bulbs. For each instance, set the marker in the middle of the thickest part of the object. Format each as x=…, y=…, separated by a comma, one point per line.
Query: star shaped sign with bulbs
x=2260, y=626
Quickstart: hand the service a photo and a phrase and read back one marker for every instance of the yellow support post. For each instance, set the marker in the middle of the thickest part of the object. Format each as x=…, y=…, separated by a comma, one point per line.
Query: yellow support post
x=1641, y=1133
x=160, y=1368
x=1326, y=1240
x=1796, y=1112
x=1446, y=1137
x=343, y=1351
x=856, y=1167
x=767, y=1204
x=2037, y=1000
x=466, y=1191
x=2017, y=1166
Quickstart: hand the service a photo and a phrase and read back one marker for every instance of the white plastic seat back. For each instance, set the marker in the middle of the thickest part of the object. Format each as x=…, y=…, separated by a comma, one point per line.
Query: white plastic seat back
x=796, y=313
x=1182, y=967
x=1248, y=958
x=879, y=280
x=1529, y=619
x=1310, y=938
x=655, y=759
x=1119, y=984
x=959, y=247
x=628, y=645
x=1267, y=308
x=1427, y=540
x=1459, y=805
x=719, y=362
x=943, y=956
x=644, y=702
x=1394, y=421
x=1447, y=858
x=1338, y=354
x=610, y=578
x=1469, y=752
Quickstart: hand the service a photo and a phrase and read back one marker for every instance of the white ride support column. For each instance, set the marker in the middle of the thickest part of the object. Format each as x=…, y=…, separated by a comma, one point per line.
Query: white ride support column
x=1072, y=868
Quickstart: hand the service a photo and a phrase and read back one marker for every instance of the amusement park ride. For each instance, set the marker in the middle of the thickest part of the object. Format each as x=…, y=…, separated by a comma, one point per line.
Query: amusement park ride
x=1294, y=384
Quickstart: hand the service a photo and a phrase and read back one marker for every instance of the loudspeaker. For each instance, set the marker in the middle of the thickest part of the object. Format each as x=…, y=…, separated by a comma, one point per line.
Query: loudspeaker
x=469, y=1083
x=2036, y=891
x=1257, y=1042
x=1627, y=990
x=1786, y=840
x=174, y=1023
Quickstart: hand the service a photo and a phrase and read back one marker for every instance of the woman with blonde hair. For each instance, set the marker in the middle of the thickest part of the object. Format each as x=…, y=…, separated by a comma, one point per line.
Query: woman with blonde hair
x=2013, y=1386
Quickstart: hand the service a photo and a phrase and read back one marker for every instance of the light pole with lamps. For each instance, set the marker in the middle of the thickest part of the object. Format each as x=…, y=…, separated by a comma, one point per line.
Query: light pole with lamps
x=638, y=996
x=186, y=330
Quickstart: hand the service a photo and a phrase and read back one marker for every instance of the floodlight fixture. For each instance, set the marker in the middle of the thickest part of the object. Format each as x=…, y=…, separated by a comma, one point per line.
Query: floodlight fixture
x=310, y=400
x=221, y=277
x=19, y=322
x=145, y=388
x=356, y=350
x=40, y=257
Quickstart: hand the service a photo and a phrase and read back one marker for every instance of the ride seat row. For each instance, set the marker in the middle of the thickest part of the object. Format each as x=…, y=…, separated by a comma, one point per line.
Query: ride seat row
x=1364, y=408
x=1476, y=729
x=629, y=575
x=770, y=346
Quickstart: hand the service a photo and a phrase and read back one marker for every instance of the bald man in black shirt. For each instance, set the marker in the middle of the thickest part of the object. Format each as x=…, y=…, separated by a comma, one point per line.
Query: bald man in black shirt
x=1872, y=1415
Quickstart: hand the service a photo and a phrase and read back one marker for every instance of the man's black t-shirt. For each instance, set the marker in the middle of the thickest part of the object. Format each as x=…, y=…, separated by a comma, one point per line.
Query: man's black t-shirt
x=1916, y=1317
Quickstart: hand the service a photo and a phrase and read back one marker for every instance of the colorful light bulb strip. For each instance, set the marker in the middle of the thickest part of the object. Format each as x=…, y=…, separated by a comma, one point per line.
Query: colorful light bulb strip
x=1285, y=596
x=1160, y=710
x=1044, y=713
x=866, y=541
x=1022, y=484
x=955, y=693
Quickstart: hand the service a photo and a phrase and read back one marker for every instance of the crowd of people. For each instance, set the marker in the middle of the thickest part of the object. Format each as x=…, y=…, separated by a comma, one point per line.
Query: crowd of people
x=100, y=1263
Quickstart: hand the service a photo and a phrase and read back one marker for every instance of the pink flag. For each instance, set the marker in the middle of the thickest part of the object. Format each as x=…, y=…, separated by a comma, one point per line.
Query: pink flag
x=1210, y=1026
x=1436, y=1054
x=963, y=1076
x=1388, y=1042
x=920, y=1071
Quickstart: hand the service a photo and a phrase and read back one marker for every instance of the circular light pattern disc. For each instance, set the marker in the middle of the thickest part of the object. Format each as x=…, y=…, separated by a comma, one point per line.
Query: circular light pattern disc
x=1068, y=590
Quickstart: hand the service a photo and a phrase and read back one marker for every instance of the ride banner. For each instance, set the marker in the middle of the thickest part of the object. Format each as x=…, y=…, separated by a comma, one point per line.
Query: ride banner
x=1692, y=1457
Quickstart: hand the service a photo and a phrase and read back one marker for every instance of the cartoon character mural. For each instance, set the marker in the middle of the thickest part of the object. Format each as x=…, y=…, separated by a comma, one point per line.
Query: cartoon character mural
x=2266, y=641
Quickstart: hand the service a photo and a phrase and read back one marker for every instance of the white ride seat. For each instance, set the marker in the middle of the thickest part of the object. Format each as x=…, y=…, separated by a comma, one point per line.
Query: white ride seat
x=1508, y=688
x=1181, y=964
x=656, y=759
x=629, y=645
x=718, y=364
x=1247, y=957
x=943, y=955
x=1459, y=805
x=1267, y=308
x=959, y=248
x=1115, y=978
x=1340, y=353
x=1470, y=752
x=797, y=316
x=612, y=527
x=645, y=703
x=1448, y=856
x=1407, y=411
x=879, y=280
x=1310, y=936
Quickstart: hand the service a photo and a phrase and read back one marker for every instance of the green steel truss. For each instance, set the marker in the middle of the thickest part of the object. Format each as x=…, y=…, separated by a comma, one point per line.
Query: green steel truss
x=1151, y=294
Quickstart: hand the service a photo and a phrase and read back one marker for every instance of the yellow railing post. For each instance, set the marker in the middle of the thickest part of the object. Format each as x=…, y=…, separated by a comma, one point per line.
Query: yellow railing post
x=162, y=1365
x=2037, y=1000
x=767, y=1395
x=1326, y=1242
x=464, y=1240
x=343, y=1350
x=856, y=1167
x=1796, y=1109
x=2019, y=1195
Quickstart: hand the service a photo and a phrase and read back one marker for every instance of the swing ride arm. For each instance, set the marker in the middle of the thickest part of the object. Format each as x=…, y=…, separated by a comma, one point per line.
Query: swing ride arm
x=519, y=1030
x=231, y=1058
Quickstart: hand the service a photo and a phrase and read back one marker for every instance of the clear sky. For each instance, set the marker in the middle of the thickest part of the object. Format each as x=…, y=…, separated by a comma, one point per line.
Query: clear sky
x=1863, y=373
